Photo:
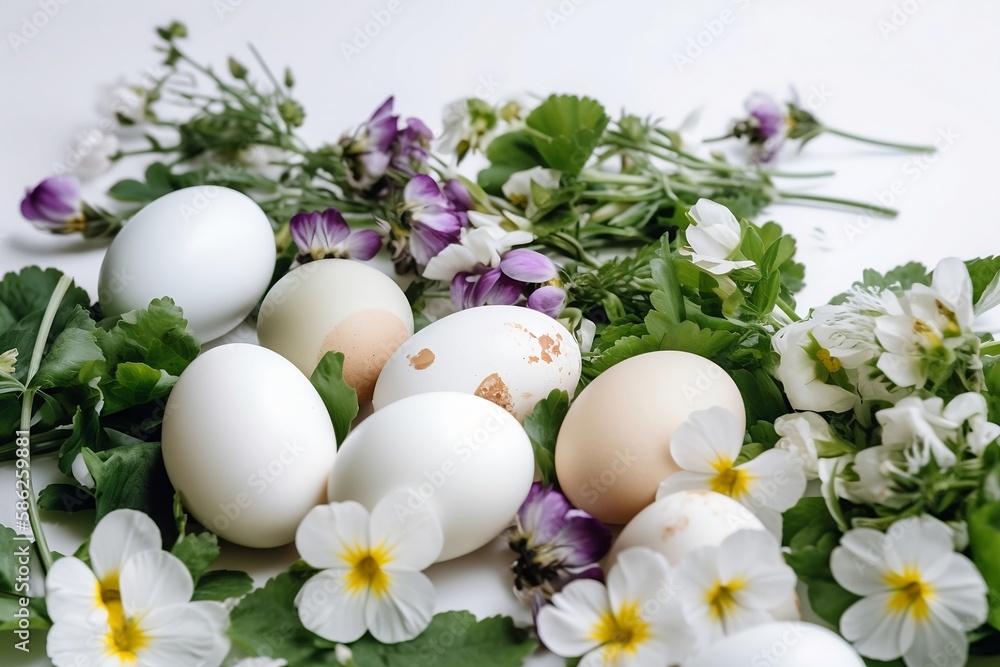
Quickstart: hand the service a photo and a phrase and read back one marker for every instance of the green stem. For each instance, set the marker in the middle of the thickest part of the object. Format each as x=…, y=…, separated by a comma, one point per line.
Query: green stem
x=990, y=348
x=784, y=307
x=27, y=400
x=881, y=210
x=913, y=148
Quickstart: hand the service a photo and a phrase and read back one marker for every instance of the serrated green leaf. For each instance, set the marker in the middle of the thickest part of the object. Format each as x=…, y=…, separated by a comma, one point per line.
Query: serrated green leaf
x=72, y=348
x=567, y=129
x=340, y=399
x=197, y=551
x=156, y=336
x=542, y=427
x=265, y=622
x=453, y=639
x=624, y=348
x=221, y=585
x=132, y=477
x=508, y=154
x=982, y=271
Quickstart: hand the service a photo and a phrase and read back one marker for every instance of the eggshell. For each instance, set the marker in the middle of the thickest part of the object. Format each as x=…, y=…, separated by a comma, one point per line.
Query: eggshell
x=510, y=355
x=613, y=448
x=781, y=644
x=460, y=455
x=336, y=305
x=248, y=444
x=683, y=521
x=209, y=248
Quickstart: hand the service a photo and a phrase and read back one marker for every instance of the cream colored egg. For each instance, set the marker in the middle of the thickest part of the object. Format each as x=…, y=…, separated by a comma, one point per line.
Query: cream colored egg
x=209, y=248
x=613, y=448
x=336, y=305
x=683, y=521
x=780, y=644
x=463, y=457
x=510, y=355
x=248, y=444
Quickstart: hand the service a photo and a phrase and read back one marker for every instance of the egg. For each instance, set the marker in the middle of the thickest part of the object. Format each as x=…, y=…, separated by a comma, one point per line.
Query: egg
x=458, y=455
x=248, y=444
x=336, y=305
x=510, y=355
x=613, y=449
x=209, y=248
x=782, y=644
x=683, y=521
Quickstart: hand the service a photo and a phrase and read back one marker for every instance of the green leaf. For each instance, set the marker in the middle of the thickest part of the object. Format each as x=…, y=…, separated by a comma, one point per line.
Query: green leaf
x=12, y=615
x=508, y=153
x=807, y=512
x=667, y=299
x=10, y=549
x=134, y=383
x=984, y=542
x=132, y=477
x=197, y=551
x=624, y=348
x=29, y=290
x=689, y=337
x=85, y=431
x=542, y=427
x=982, y=271
x=65, y=498
x=156, y=336
x=829, y=600
x=266, y=622
x=761, y=395
x=764, y=433
x=340, y=399
x=453, y=639
x=73, y=347
x=567, y=129
x=222, y=584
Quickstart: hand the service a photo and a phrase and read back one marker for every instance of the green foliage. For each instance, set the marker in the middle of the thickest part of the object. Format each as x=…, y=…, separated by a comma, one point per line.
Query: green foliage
x=340, y=399
x=265, y=622
x=984, y=542
x=565, y=131
x=222, y=584
x=542, y=427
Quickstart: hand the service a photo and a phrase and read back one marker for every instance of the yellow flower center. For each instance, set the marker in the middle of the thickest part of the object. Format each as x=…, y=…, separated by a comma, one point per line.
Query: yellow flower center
x=924, y=331
x=721, y=599
x=830, y=362
x=730, y=481
x=910, y=593
x=124, y=638
x=949, y=316
x=622, y=633
x=367, y=571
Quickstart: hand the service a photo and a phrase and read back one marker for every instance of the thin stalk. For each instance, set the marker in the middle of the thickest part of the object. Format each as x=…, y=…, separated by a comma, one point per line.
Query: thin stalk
x=784, y=307
x=913, y=148
x=881, y=210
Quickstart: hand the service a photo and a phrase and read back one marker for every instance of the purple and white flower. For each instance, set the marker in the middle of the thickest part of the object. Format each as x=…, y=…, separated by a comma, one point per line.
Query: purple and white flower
x=369, y=149
x=556, y=544
x=507, y=283
x=54, y=205
x=765, y=128
x=320, y=235
x=432, y=220
x=478, y=247
x=411, y=147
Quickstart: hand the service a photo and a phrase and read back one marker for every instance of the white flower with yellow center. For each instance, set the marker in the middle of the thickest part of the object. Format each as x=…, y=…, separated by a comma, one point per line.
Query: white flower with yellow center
x=706, y=447
x=919, y=597
x=740, y=583
x=371, y=563
x=633, y=621
x=132, y=606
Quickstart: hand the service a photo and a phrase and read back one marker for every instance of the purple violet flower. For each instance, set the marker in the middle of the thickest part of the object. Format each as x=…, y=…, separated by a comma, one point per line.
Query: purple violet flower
x=411, y=147
x=507, y=284
x=765, y=128
x=55, y=205
x=369, y=152
x=458, y=195
x=556, y=543
x=321, y=235
x=433, y=222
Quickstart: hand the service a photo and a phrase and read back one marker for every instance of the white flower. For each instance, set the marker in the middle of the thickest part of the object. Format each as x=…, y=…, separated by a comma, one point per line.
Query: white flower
x=804, y=368
x=343, y=653
x=930, y=324
x=371, y=562
x=127, y=103
x=633, y=621
x=134, y=607
x=919, y=428
x=713, y=238
x=91, y=153
x=517, y=189
x=970, y=408
x=262, y=661
x=7, y=361
x=878, y=469
x=800, y=433
x=733, y=586
x=81, y=473
x=483, y=244
x=706, y=446
x=919, y=597
x=469, y=125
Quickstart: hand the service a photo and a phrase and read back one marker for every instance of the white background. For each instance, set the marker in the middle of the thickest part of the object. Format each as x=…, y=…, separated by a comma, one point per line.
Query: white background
x=910, y=71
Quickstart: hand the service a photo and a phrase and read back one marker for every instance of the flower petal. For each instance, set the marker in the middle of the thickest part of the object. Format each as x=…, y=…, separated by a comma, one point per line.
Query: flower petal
x=707, y=437
x=938, y=644
x=639, y=574
x=326, y=608
x=548, y=299
x=73, y=641
x=117, y=537
x=582, y=540
x=779, y=479
x=452, y=260
x=71, y=590
x=683, y=480
x=754, y=556
x=960, y=589
x=327, y=531
x=857, y=563
x=334, y=226
x=153, y=579
x=184, y=634
x=565, y=626
x=363, y=244
x=404, y=611
x=413, y=537
x=527, y=266
x=543, y=513
x=874, y=631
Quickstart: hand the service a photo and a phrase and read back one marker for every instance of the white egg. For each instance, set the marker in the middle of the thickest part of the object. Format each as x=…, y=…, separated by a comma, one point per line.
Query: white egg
x=248, y=444
x=336, y=305
x=510, y=355
x=461, y=456
x=780, y=644
x=209, y=248
x=683, y=521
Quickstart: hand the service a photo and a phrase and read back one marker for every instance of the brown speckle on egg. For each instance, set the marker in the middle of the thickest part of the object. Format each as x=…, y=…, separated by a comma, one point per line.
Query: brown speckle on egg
x=493, y=389
x=422, y=360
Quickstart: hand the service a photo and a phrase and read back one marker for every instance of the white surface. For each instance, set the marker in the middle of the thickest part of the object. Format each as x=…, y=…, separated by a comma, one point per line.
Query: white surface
x=934, y=76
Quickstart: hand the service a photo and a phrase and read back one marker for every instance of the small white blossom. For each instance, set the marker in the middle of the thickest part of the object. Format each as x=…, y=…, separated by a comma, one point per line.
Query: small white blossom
x=800, y=432
x=517, y=189
x=7, y=361
x=714, y=238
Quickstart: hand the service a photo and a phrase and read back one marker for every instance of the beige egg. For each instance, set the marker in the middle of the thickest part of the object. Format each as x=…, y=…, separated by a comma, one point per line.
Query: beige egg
x=336, y=305
x=613, y=448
